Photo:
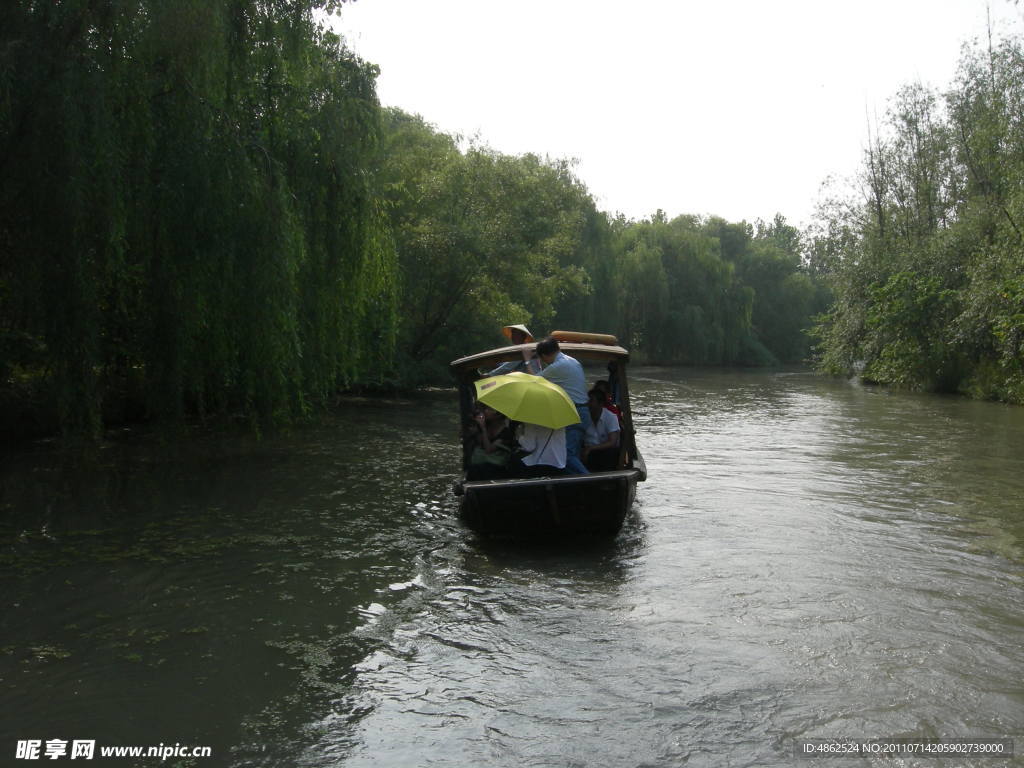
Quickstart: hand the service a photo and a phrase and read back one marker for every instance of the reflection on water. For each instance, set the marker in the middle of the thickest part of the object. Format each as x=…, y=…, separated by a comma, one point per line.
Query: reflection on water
x=809, y=559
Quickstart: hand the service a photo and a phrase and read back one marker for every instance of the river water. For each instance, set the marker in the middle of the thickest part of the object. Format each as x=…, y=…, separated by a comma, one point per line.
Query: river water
x=809, y=559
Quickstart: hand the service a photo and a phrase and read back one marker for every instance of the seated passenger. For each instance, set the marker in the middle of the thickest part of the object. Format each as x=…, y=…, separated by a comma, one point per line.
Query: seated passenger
x=609, y=403
x=491, y=443
x=601, y=439
x=545, y=451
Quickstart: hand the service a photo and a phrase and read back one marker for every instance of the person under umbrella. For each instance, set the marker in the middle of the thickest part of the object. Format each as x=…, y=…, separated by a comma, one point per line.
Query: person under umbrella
x=544, y=411
x=490, y=442
x=545, y=449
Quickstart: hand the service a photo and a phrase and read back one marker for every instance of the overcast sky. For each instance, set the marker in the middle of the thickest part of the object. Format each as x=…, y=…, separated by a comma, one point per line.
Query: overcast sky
x=739, y=108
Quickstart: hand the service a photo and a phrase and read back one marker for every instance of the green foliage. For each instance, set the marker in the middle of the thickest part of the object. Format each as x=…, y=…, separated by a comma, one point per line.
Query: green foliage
x=486, y=239
x=680, y=300
x=786, y=294
x=906, y=319
x=186, y=210
x=204, y=210
x=703, y=292
x=483, y=239
x=926, y=269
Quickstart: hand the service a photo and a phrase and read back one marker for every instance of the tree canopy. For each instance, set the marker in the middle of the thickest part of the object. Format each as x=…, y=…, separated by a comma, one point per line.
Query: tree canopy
x=926, y=267
x=204, y=210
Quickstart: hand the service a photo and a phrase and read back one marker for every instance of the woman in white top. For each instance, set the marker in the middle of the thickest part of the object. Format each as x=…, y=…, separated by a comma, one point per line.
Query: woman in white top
x=545, y=450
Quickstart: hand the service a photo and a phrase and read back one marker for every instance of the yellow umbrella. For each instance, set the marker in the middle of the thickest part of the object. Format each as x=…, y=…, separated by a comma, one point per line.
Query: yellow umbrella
x=532, y=399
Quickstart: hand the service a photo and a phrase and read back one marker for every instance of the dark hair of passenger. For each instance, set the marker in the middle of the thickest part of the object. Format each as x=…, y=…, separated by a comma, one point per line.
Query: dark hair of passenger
x=596, y=394
x=548, y=346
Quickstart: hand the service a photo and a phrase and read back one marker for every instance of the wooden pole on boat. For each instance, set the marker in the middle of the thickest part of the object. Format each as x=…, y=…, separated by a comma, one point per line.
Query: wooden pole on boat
x=627, y=441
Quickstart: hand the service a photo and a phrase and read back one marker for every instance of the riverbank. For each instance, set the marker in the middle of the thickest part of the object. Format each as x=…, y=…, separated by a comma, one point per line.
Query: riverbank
x=29, y=412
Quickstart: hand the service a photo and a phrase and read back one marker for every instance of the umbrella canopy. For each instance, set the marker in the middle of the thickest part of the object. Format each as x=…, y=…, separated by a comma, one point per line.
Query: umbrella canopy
x=531, y=399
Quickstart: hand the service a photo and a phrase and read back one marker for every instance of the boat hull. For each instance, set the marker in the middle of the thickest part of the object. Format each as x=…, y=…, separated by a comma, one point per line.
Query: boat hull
x=575, y=505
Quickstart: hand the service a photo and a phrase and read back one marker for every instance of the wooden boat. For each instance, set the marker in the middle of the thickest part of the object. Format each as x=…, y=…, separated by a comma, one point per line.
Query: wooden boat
x=594, y=504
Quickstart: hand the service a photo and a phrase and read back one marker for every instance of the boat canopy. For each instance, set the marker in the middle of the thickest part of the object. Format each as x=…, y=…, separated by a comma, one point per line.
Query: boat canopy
x=467, y=367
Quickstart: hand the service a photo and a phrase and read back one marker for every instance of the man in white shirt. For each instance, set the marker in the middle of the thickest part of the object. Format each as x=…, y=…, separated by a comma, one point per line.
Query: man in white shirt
x=601, y=437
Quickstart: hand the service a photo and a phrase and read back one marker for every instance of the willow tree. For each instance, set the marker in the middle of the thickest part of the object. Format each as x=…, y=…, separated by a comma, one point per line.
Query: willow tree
x=187, y=212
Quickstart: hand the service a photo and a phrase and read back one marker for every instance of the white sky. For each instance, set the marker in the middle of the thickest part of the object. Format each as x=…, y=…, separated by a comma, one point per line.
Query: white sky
x=739, y=108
